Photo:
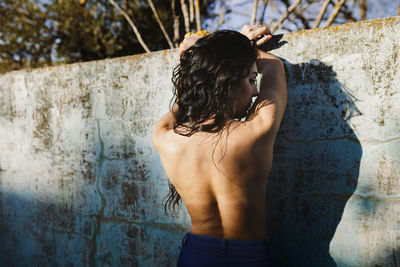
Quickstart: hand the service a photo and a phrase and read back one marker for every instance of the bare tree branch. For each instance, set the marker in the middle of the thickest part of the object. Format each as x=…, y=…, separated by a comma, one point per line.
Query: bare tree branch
x=185, y=13
x=335, y=12
x=285, y=15
x=221, y=15
x=254, y=13
x=241, y=13
x=321, y=14
x=160, y=23
x=363, y=9
x=197, y=10
x=135, y=30
x=348, y=13
x=294, y=21
x=191, y=9
x=304, y=20
x=299, y=15
x=176, y=23
x=398, y=10
x=263, y=11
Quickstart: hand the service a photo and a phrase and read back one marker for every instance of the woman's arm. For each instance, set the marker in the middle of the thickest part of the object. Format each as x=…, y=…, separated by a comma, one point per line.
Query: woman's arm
x=270, y=104
x=167, y=121
x=267, y=112
x=164, y=124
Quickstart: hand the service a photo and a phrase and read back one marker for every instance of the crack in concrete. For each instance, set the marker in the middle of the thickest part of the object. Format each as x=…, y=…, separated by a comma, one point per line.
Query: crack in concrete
x=380, y=141
x=168, y=226
x=340, y=138
x=60, y=230
x=345, y=195
x=376, y=198
x=320, y=139
x=100, y=214
x=394, y=257
x=116, y=159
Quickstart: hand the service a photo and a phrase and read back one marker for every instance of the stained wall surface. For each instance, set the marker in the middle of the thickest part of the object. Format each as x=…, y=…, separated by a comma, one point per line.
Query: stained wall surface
x=82, y=185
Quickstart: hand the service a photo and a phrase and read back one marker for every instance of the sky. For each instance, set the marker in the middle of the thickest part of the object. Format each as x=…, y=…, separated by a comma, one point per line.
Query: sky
x=242, y=9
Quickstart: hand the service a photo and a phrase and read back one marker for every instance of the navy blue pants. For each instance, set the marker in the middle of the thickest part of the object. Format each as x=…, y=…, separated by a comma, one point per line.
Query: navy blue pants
x=204, y=251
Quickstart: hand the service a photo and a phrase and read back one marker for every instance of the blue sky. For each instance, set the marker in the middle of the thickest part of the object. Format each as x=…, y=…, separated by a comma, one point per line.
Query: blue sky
x=242, y=9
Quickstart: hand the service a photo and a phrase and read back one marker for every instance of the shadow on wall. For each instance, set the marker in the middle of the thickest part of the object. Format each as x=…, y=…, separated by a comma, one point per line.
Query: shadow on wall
x=316, y=166
x=38, y=232
x=77, y=228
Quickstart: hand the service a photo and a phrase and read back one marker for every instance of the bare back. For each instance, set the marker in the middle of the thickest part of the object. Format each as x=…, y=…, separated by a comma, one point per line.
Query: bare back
x=221, y=179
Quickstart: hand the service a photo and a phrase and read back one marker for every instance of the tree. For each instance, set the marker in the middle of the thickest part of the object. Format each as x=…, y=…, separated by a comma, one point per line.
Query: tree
x=398, y=10
x=97, y=30
x=25, y=37
x=36, y=33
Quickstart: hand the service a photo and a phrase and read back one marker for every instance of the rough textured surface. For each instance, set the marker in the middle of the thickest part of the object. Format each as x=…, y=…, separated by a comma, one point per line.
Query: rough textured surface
x=81, y=184
x=334, y=189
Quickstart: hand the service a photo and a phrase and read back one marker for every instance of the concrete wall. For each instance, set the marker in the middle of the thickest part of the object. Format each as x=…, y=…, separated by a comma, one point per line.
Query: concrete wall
x=81, y=184
x=335, y=188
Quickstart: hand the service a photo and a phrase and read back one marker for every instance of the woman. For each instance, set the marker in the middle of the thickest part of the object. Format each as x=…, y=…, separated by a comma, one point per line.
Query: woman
x=217, y=163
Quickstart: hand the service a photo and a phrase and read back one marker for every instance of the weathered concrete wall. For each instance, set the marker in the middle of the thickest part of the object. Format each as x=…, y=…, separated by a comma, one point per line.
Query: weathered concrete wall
x=81, y=184
x=335, y=188
x=80, y=181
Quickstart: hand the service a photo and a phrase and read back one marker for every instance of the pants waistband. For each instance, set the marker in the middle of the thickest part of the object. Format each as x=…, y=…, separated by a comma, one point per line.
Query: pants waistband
x=227, y=246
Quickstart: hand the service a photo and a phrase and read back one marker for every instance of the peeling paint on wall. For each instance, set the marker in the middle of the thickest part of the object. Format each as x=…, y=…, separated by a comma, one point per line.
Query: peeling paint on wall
x=82, y=185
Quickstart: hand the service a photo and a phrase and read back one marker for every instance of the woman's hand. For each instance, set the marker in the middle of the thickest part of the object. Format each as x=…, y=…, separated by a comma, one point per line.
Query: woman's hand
x=188, y=42
x=256, y=33
x=190, y=39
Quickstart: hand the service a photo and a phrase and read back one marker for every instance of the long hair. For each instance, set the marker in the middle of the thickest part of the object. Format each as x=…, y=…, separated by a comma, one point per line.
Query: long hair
x=205, y=86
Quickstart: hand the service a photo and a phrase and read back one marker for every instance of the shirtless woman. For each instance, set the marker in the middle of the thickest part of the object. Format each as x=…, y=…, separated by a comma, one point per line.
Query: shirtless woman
x=218, y=164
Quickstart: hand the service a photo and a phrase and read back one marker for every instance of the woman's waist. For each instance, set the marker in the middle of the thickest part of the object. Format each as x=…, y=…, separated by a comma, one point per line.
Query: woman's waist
x=255, y=231
x=239, y=247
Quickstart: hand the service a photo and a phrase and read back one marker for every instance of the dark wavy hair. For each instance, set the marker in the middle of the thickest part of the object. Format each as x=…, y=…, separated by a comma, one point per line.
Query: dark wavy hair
x=205, y=87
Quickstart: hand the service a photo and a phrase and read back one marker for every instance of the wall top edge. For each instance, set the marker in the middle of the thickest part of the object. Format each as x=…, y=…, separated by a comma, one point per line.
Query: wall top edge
x=365, y=23
x=369, y=23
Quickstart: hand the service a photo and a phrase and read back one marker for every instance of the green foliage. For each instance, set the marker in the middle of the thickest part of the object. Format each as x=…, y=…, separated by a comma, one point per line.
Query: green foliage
x=83, y=32
x=25, y=40
x=35, y=33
